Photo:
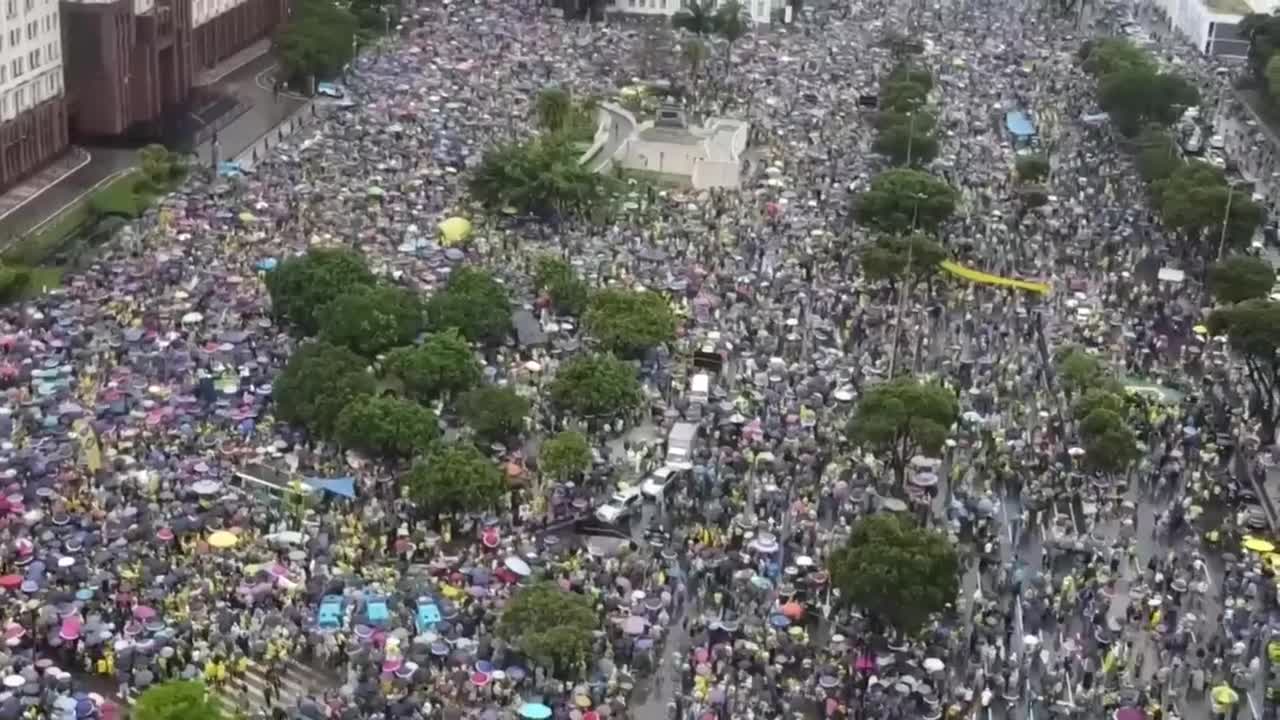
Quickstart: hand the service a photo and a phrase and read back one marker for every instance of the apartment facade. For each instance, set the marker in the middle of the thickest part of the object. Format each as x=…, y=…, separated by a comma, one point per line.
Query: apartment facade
x=33, y=125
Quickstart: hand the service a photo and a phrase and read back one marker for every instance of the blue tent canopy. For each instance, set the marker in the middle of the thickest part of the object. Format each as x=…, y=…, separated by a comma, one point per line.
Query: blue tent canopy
x=342, y=486
x=1019, y=124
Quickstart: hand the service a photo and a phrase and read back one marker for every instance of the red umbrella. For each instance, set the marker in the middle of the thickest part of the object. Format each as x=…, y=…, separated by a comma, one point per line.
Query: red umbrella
x=164, y=535
x=480, y=679
x=9, y=582
x=793, y=610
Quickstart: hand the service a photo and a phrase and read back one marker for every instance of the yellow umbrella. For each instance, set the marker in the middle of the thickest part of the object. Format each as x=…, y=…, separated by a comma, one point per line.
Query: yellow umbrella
x=1258, y=545
x=223, y=539
x=454, y=230
x=1200, y=330
x=1225, y=696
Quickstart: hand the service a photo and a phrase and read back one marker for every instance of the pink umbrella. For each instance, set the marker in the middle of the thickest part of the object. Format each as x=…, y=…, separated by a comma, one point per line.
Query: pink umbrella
x=70, y=628
x=144, y=613
x=480, y=679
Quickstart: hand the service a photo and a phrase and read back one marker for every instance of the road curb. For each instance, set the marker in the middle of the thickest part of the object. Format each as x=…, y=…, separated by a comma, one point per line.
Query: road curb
x=77, y=199
x=85, y=160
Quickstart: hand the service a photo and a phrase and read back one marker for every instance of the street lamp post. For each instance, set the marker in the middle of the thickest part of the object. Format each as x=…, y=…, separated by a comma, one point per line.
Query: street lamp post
x=902, y=291
x=911, y=133
x=1226, y=217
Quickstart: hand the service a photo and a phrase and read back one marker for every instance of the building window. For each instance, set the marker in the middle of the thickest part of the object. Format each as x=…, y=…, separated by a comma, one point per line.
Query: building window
x=20, y=99
x=11, y=9
x=29, y=5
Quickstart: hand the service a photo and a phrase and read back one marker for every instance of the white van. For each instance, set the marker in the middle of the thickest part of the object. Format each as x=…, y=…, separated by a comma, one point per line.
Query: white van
x=680, y=443
x=700, y=388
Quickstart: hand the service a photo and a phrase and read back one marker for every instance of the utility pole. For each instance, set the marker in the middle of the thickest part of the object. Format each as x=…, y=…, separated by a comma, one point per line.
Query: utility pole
x=902, y=291
x=1226, y=216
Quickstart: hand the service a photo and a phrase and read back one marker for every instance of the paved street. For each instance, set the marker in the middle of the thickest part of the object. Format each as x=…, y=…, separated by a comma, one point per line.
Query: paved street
x=265, y=113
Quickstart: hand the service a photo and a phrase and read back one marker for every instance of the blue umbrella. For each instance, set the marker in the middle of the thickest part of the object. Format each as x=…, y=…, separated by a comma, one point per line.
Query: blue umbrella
x=535, y=711
x=779, y=621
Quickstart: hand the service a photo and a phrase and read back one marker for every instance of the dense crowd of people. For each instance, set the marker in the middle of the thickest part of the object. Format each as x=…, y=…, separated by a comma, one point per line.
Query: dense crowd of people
x=132, y=553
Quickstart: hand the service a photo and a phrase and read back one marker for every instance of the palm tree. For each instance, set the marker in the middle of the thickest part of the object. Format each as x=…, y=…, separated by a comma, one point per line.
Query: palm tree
x=694, y=52
x=731, y=23
x=553, y=108
x=698, y=17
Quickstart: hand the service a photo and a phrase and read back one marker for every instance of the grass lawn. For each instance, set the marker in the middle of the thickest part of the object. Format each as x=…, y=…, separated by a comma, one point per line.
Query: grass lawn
x=36, y=251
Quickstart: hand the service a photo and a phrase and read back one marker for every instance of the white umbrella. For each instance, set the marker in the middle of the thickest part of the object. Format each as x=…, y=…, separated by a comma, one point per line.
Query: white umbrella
x=517, y=566
x=1075, y=451
x=192, y=317
x=933, y=665
x=206, y=487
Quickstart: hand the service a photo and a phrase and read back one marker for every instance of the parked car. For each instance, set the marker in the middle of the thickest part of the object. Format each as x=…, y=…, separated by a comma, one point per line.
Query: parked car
x=663, y=481
x=620, y=505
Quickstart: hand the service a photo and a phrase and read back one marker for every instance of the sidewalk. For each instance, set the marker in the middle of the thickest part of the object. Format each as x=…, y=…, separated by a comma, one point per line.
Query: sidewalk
x=235, y=62
x=71, y=161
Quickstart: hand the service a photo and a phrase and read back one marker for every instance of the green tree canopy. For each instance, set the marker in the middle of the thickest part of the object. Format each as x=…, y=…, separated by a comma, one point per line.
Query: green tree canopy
x=455, y=480
x=558, y=279
x=1253, y=329
x=1134, y=97
x=629, y=322
x=540, y=176
x=1158, y=156
x=553, y=108
x=176, y=700
x=1100, y=398
x=903, y=146
x=698, y=17
x=473, y=303
x=595, y=386
x=564, y=456
x=732, y=23
x=1263, y=33
x=317, y=383
x=1241, y=277
x=372, y=319
x=902, y=199
x=890, y=259
x=1077, y=370
x=924, y=121
x=442, y=366
x=912, y=73
x=1273, y=76
x=386, y=427
x=552, y=626
x=1195, y=200
x=1113, y=55
x=496, y=414
x=317, y=40
x=902, y=418
x=301, y=286
x=1110, y=445
x=899, y=573
x=903, y=96
x=1032, y=168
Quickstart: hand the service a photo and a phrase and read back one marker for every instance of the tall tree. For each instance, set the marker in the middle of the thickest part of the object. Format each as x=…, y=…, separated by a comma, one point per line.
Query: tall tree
x=902, y=418
x=902, y=200
x=301, y=286
x=473, y=303
x=443, y=366
x=371, y=320
x=732, y=23
x=496, y=414
x=629, y=322
x=591, y=386
x=552, y=626
x=454, y=480
x=1253, y=329
x=317, y=383
x=1241, y=277
x=899, y=573
x=553, y=108
x=698, y=17
x=386, y=427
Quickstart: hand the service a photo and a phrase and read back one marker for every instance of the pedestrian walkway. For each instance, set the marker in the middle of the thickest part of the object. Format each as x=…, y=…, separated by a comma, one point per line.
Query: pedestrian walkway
x=250, y=692
x=74, y=159
x=233, y=63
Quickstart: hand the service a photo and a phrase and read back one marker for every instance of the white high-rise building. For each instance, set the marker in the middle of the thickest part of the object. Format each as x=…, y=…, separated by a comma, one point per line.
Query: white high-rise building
x=33, y=127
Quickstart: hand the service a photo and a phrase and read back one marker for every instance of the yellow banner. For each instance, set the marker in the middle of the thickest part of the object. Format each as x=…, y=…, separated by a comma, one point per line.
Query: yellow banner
x=971, y=275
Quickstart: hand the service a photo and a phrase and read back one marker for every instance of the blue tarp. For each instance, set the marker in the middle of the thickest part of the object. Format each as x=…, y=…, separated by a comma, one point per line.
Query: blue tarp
x=344, y=486
x=1019, y=124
